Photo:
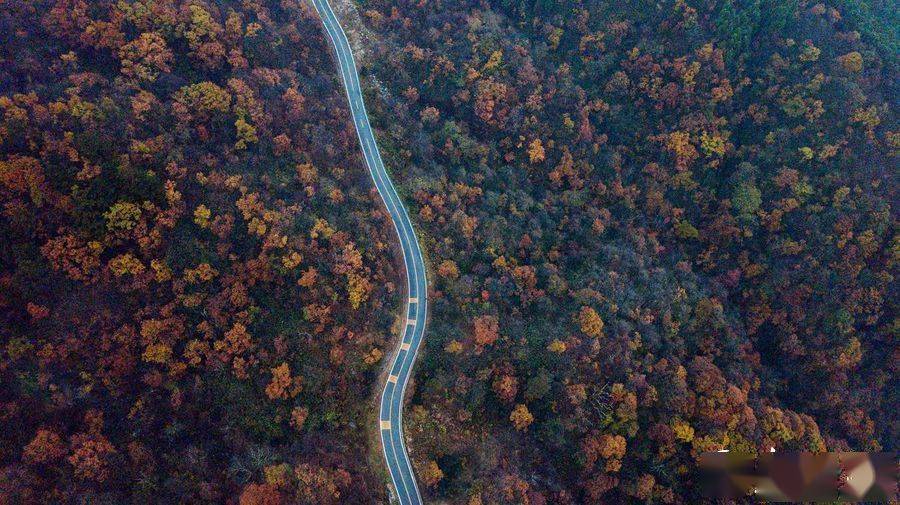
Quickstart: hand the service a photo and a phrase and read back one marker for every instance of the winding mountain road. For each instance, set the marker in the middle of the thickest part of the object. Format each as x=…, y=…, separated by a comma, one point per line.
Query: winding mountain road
x=391, y=408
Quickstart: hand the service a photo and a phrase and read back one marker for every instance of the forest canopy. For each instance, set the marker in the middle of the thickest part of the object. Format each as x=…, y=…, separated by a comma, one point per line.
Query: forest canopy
x=659, y=228
x=196, y=277
x=653, y=229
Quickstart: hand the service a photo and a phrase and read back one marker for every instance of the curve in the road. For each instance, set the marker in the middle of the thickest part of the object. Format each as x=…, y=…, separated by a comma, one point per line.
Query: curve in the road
x=390, y=416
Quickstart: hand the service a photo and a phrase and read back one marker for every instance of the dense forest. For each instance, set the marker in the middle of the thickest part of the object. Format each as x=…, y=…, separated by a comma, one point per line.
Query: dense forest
x=654, y=228
x=197, y=283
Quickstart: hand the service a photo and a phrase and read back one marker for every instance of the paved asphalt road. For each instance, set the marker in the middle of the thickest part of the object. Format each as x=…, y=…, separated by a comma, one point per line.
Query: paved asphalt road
x=391, y=408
